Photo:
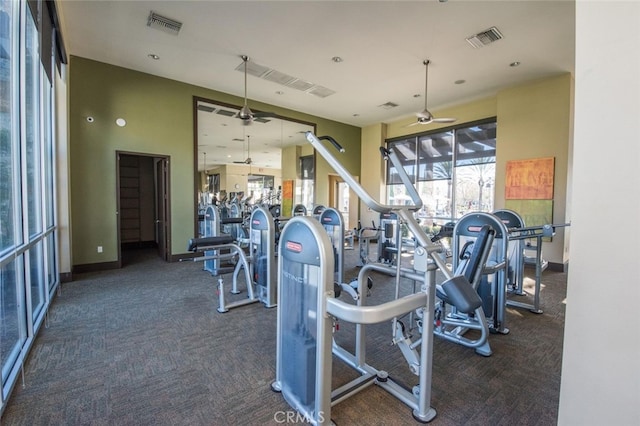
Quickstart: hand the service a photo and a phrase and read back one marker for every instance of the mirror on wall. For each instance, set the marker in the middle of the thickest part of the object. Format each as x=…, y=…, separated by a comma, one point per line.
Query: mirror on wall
x=247, y=164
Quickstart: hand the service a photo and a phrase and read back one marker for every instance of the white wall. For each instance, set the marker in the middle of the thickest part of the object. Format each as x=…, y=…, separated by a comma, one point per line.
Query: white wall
x=63, y=205
x=601, y=360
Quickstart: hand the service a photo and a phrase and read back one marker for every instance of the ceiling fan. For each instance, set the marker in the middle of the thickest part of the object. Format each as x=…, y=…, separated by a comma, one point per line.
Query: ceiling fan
x=248, y=161
x=245, y=114
x=425, y=116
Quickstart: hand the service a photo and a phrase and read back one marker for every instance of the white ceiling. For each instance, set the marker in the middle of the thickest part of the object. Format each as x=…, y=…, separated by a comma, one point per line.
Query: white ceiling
x=382, y=44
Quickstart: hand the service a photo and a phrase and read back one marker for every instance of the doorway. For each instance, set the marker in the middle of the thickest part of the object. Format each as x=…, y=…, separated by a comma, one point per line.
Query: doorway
x=142, y=206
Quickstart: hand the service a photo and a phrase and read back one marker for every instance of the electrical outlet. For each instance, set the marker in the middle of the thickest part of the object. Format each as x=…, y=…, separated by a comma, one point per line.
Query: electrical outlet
x=99, y=249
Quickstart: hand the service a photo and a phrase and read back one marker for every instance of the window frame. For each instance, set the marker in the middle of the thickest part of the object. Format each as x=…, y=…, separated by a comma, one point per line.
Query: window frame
x=421, y=165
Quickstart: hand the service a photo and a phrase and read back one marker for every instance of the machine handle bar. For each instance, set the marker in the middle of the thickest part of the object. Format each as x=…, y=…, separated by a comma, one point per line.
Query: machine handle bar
x=377, y=313
x=333, y=142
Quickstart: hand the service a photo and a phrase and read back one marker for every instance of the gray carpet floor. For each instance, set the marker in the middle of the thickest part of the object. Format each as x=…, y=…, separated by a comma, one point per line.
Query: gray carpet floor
x=144, y=345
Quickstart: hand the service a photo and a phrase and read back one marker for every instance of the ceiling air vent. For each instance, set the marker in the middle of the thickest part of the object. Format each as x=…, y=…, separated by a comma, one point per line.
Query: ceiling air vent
x=388, y=105
x=485, y=37
x=321, y=92
x=163, y=23
x=205, y=108
x=283, y=79
x=253, y=69
x=300, y=84
x=279, y=77
x=226, y=113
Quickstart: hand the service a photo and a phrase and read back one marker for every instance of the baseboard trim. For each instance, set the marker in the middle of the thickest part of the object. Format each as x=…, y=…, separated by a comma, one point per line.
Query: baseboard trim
x=558, y=267
x=138, y=245
x=94, y=267
x=66, y=277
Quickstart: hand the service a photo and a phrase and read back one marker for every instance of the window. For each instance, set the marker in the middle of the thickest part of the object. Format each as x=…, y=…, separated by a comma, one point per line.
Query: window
x=8, y=139
x=453, y=170
x=260, y=187
x=304, y=187
x=32, y=128
x=28, y=257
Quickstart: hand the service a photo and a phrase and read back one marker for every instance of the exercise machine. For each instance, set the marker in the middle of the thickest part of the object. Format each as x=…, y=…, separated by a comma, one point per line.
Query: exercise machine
x=333, y=223
x=389, y=243
x=258, y=268
x=317, y=211
x=299, y=210
x=520, y=237
x=366, y=235
x=219, y=248
x=453, y=324
x=492, y=286
x=213, y=224
x=308, y=309
x=262, y=249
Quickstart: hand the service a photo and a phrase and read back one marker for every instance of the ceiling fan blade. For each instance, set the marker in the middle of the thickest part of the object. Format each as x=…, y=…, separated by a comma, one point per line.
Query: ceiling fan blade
x=444, y=120
x=415, y=123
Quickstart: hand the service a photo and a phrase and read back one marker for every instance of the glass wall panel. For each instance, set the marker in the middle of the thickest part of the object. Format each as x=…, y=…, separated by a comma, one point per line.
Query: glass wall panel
x=36, y=277
x=435, y=156
x=12, y=324
x=28, y=266
x=304, y=186
x=32, y=119
x=436, y=196
x=304, y=193
x=47, y=140
x=8, y=149
x=456, y=171
x=476, y=144
x=474, y=188
x=406, y=152
x=52, y=264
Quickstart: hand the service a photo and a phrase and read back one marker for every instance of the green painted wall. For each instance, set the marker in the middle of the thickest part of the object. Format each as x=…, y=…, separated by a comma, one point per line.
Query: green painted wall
x=159, y=115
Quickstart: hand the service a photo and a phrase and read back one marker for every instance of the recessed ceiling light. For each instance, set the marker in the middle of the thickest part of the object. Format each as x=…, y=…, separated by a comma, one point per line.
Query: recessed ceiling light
x=514, y=64
x=279, y=92
x=153, y=56
x=460, y=81
x=336, y=59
